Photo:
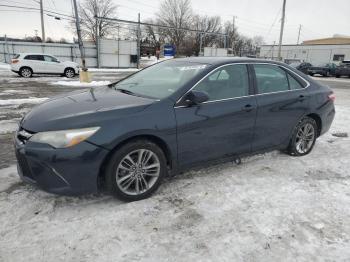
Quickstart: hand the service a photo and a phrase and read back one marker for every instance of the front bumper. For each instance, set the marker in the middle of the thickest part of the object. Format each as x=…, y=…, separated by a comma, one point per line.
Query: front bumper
x=67, y=171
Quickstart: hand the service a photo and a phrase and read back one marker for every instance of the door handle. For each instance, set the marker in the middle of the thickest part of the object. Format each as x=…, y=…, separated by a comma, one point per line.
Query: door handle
x=247, y=108
x=301, y=98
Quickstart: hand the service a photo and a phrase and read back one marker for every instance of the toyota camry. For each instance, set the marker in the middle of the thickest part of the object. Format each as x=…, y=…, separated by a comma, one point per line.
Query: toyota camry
x=174, y=115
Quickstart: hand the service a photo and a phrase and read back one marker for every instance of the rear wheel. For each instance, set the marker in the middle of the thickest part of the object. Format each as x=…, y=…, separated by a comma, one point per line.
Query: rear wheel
x=136, y=170
x=69, y=72
x=311, y=74
x=26, y=72
x=337, y=76
x=304, y=137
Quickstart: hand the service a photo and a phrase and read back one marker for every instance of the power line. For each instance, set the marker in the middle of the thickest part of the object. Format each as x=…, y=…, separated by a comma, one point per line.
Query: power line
x=33, y=8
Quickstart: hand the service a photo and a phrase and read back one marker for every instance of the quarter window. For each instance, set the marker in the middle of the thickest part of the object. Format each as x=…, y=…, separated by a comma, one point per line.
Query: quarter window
x=227, y=82
x=293, y=83
x=270, y=79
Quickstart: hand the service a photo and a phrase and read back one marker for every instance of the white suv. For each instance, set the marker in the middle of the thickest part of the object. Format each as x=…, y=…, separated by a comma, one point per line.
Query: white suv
x=26, y=65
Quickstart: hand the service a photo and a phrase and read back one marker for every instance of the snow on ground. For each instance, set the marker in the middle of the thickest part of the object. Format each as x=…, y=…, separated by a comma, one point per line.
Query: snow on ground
x=4, y=66
x=8, y=126
x=30, y=100
x=273, y=207
x=79, y=84
x=331, y=79
x=115, y=70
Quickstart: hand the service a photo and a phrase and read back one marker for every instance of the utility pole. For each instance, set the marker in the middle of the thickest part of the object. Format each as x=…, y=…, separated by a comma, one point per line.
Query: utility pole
x=138, y=41
x=97, y=42
x=299, y=34
x=42, y=22
x=80, y=41
x=281, y=31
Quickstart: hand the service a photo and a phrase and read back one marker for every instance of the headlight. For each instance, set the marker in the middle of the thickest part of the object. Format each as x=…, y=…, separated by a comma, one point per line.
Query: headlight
x=64, y=138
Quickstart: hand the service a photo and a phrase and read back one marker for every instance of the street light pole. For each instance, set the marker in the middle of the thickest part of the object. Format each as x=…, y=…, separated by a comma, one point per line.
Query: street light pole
x=281, y=31
x=80, y=41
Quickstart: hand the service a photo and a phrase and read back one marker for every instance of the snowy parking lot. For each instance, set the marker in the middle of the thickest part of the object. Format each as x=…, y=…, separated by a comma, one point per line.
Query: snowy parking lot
x=272, y=207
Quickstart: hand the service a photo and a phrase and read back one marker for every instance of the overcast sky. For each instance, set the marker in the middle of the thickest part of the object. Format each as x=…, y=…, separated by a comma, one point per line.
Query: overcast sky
x=319, y=18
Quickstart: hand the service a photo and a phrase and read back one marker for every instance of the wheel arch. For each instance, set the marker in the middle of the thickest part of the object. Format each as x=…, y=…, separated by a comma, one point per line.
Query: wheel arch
x=25, y=66
x=318, y=120
x=153, y=138
x=68, y=67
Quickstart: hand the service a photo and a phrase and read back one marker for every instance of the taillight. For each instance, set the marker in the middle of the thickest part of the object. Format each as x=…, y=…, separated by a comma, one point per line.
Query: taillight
x=14, y=61
x=331, y=97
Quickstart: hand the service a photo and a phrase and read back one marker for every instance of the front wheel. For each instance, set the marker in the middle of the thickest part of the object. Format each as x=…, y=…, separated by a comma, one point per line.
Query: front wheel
x=136, y=170
x=303, y=138
x=69, y=72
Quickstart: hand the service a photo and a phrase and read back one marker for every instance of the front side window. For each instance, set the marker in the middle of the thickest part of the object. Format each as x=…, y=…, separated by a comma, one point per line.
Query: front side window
x=50, y=58
x=270, y=78
x=160, y=80
x=226, y=82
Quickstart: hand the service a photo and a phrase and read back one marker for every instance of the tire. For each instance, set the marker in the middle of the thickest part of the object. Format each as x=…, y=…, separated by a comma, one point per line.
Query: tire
x=133, y=186
x=337, y=76
x=26, y=72
x=69, y=72
x=311, y=74
x=297, y=144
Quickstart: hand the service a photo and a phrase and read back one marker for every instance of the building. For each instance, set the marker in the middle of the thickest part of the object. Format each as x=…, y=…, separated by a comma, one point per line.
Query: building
x=334, y=50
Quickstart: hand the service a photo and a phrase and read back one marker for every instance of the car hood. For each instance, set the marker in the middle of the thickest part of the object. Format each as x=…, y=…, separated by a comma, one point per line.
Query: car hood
x=82, y=109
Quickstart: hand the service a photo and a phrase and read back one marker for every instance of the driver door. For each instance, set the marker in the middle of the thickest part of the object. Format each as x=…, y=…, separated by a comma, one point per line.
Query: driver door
x=222, y=126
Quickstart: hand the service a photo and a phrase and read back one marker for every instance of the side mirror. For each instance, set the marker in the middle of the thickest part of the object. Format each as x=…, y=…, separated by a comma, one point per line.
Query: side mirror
x=195, y=97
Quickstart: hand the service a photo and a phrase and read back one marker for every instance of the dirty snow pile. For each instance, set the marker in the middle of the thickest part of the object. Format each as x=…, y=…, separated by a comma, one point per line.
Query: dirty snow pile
x=272, y=207
x=80, y=84
x=4, y=66
x=19, y=101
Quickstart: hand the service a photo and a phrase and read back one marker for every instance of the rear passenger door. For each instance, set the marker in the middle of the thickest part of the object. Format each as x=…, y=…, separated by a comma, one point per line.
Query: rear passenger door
x=282, y=100
x=35, y=62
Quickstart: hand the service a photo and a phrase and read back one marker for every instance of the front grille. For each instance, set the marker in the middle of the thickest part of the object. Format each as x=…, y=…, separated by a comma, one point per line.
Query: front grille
x=23, y=164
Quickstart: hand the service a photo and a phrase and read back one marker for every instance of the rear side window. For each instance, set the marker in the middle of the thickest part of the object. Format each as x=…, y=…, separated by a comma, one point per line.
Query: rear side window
x=270, y=79
x=226, y=82
x=34, y=57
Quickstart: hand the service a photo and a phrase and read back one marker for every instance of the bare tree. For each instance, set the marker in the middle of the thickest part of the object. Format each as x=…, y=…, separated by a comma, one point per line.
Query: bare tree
x=211, y=25
x=177, y=14
x=102, y=8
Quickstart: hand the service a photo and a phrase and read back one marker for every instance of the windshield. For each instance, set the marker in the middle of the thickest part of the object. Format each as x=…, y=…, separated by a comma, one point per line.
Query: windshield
x=160, y=80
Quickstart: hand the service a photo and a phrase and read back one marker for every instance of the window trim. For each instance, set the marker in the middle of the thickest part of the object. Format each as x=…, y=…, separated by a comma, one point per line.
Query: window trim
x=252, y=82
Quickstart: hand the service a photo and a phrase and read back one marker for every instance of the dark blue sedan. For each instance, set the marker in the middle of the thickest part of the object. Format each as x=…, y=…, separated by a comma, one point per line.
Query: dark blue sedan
x=168, y=117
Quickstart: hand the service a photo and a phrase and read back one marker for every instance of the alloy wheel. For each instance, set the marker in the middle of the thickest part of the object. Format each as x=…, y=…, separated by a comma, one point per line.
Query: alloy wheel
x=25, y=72
x=137, y=172
x=305, y=138
x=69, y=73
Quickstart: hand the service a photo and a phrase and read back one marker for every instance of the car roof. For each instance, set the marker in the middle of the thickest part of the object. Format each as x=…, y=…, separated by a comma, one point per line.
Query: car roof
x=225, y=60
x=34, y=54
